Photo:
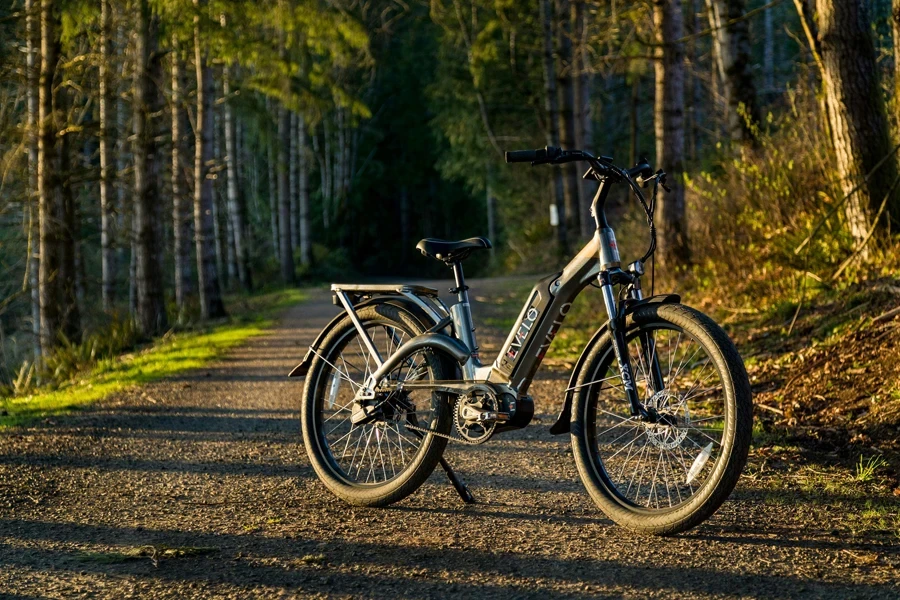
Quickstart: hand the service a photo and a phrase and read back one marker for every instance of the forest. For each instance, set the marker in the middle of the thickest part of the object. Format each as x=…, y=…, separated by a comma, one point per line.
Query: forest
x=159, y=157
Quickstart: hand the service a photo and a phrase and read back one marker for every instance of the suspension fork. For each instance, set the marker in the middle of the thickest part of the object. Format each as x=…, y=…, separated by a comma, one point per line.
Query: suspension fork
x=648, y=346
x=617, y=328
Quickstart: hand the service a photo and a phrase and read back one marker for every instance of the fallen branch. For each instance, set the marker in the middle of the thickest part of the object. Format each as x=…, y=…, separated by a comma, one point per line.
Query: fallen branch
x=886, y=316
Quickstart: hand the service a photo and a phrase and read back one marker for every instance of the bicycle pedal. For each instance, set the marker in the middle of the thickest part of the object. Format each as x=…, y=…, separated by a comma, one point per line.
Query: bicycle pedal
x=490, y=415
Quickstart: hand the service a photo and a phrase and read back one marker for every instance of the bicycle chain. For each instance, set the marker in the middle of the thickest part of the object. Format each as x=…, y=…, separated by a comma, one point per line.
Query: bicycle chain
x=443, y=435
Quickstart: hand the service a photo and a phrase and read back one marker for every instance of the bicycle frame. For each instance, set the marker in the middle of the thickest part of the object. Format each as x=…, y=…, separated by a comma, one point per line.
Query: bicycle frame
x=537, y=325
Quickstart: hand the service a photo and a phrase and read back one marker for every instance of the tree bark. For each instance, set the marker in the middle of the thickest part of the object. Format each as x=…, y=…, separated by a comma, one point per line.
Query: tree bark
x=181, y=213
x=551, y=109
x=284, y=200
x=293, y=181
x=769, y=51
x=584, y=118
x=211, y=305
x=669, y=124
x=895, y=31
x=274, y=206
x=107, y=214
x=151, y=306
x=733, y=65
x=303, y=168
x=859, y=128
x=55, y=304
x=567, y=113
x=235, y=212
x=32, y=41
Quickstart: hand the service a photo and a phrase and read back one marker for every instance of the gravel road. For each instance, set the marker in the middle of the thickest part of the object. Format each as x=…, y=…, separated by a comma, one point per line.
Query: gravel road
x=199, y=487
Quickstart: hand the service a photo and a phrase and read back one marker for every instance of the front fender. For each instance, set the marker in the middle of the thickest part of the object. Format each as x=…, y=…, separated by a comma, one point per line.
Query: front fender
x=562, y=424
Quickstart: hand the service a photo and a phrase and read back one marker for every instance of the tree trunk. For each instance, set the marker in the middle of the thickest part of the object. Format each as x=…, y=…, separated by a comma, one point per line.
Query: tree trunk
x=151, y=306
x=733, y=65
x=124, y=235
x=328, y=190
x=769, y=51
x=489, y=204
x=323, y=178
x=669, y=124
x=70, y=324
x=181, y=214
x=284, y=200
x=584, y=118
x=274, y=206
x=859, y=128
x=292, y=182
x=895, y=30
x=567, y=113
x=235, y=214
x=48, y=184
x=211, y=305
x=303, y=169
x=551, y=108
x=107, y=216
x=32, y=41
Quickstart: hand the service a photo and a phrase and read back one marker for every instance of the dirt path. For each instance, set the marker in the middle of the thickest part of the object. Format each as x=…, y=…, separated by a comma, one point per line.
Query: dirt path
x=199, y=487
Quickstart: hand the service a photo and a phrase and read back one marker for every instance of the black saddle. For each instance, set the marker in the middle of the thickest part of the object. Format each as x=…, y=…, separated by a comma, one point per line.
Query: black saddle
x=451, y=252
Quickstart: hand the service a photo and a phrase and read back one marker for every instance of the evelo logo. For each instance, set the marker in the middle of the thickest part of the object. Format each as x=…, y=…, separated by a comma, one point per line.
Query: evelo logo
x=522, y=333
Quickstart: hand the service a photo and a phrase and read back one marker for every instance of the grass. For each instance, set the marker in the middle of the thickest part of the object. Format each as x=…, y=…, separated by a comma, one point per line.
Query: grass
x=866, y=467
x=173, y=353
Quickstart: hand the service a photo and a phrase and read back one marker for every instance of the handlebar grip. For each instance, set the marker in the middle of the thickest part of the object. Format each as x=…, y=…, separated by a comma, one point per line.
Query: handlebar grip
x=521, y=156
x=643, y=170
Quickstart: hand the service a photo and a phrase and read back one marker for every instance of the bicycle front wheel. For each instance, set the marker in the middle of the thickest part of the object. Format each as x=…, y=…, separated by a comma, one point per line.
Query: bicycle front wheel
x=664, y=477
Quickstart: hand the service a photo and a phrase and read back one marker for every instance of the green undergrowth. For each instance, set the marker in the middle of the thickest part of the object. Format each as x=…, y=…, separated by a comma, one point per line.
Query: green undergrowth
x=179, y=350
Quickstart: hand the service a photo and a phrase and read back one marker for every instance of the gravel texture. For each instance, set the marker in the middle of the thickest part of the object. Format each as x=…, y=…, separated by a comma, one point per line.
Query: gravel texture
x=199, y=487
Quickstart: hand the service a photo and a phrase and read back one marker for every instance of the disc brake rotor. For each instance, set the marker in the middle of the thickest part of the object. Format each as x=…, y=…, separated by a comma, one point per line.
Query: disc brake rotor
x=661, y=434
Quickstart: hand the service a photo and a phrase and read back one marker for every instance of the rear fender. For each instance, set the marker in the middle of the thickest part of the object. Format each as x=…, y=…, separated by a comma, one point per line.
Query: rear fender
x=425, y=321
x=563, y=423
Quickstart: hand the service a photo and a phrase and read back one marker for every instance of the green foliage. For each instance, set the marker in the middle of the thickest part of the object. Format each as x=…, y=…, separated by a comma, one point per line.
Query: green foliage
x=866, y=467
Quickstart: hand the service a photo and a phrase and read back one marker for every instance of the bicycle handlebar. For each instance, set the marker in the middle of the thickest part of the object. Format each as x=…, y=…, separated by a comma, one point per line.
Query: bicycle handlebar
x=557, y=156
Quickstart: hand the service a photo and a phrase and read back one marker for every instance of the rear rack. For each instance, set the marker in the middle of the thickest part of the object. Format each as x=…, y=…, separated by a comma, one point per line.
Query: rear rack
x=360, y=291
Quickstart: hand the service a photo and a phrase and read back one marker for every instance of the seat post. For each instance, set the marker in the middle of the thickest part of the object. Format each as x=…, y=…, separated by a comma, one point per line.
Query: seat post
x=461, y=314
x=461, y=290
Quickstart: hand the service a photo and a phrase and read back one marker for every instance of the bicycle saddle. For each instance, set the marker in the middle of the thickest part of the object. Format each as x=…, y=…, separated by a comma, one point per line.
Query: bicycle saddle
x=451, y=252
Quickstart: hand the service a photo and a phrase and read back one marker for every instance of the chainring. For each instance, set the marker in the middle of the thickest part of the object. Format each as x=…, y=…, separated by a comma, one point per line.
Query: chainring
x=468, y=427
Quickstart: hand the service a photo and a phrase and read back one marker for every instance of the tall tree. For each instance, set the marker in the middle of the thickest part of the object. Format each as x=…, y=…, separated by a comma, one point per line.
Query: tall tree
x=107, y=211
x=59, y=309
x=284, y=200
x=584, y=118
x=856, y=114
x=565, y=78
x=181, y=212
x=733, y=63
x=551, y=109
x=303, y=174
x=32, y=42
x=151, y=306
x=674, y=250
x=235, y=210
x=895, y=33
x=210, y=291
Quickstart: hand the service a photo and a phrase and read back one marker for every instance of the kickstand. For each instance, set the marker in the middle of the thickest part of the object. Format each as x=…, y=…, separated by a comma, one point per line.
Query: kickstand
x=458, y=483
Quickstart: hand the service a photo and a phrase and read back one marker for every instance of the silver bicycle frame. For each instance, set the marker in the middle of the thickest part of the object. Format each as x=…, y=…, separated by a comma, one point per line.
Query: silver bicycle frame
x=537, y=324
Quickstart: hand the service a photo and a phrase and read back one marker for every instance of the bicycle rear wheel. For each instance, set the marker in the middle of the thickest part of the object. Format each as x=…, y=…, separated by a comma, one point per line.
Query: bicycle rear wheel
x=382, y=461
x=669, y=476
